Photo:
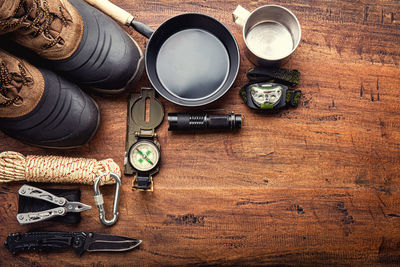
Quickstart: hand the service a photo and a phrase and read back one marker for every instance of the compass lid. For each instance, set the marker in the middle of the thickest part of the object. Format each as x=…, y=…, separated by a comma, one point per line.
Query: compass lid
x=138, y=110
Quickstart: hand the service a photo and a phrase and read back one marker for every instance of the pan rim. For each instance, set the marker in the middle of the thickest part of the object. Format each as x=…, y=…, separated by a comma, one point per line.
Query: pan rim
x=211, y=98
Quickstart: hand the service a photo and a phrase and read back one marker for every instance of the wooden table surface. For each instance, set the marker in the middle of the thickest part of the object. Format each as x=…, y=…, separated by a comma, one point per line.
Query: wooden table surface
x=314, y=185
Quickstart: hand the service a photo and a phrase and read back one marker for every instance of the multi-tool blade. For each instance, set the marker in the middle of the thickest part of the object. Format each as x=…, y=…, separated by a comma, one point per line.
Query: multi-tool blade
x=64, y=205
x=78, y=241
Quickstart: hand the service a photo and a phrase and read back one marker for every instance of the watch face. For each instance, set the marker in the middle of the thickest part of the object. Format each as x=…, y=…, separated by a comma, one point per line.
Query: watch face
x=144, y=155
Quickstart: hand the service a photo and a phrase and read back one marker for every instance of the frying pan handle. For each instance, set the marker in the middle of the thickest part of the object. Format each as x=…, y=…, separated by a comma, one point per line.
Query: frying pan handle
x=121, y=16
x=112, y=10
x=142, y=28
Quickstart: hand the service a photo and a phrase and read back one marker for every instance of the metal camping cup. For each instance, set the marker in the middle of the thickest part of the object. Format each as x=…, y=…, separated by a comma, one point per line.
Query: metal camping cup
x=271, y=33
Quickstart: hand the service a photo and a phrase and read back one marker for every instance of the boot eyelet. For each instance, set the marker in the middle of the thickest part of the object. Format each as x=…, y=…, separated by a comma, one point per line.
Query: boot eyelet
x=17, y=104
x=5, y=97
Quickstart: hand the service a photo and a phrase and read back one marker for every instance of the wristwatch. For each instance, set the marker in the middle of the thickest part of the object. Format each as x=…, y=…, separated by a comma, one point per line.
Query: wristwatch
x=143, y=155
x=268, y=95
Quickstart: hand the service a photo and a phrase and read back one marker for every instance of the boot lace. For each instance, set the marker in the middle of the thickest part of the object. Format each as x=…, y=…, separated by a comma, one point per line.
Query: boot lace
x=39, y=23
x=11, y=84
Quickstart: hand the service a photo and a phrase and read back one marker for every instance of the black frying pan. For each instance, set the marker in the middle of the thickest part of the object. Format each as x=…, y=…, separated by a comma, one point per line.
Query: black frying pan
x=191, y=59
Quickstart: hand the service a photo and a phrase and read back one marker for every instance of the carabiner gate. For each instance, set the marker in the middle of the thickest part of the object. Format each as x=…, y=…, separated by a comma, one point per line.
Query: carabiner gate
x=99, y=201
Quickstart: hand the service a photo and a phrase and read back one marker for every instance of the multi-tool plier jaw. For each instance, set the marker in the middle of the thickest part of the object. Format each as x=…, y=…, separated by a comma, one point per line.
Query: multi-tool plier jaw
x=65, y=206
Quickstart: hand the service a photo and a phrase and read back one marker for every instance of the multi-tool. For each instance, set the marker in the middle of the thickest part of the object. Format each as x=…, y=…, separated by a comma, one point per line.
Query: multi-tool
x=37, y=193
x=78, y=241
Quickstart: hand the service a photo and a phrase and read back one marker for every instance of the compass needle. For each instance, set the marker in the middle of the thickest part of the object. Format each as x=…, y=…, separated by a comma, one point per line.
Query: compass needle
x=140, y=152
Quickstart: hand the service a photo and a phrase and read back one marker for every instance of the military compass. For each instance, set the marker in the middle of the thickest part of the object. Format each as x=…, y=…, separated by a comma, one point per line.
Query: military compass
x=145, y=113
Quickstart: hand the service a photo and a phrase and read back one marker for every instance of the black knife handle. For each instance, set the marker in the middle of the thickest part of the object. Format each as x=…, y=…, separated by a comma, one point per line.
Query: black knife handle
x=44, y=241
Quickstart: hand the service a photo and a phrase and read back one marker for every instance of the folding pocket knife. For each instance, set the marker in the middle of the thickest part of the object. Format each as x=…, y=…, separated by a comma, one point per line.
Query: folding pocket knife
x=78, y=241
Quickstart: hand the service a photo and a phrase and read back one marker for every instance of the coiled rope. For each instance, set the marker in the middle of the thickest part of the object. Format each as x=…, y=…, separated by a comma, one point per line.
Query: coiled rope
x=55, y=169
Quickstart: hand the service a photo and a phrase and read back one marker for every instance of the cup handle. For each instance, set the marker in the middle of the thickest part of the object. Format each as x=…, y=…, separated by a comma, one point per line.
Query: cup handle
x=240, y=15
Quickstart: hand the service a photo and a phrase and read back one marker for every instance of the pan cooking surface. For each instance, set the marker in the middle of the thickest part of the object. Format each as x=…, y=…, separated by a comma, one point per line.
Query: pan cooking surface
x=192, y=64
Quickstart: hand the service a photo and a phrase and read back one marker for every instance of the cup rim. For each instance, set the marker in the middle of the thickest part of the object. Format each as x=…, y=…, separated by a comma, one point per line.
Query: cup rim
x=294, y=47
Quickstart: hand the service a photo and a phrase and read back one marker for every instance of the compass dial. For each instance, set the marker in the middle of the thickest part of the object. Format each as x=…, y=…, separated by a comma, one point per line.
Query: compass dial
x=144, y=155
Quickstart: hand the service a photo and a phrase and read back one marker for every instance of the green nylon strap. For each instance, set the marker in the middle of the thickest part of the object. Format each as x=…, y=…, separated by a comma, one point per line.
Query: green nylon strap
x=282, y=76
x=293, y=97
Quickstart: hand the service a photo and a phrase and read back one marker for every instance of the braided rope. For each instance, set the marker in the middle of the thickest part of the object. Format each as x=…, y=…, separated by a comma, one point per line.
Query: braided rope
x=55, y=169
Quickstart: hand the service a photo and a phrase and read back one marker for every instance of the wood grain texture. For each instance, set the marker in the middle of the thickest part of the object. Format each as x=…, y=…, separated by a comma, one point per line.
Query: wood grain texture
x=316, y=185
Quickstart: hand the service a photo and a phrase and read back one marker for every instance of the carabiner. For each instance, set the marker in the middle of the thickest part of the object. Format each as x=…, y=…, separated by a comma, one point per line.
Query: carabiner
x=99, y=201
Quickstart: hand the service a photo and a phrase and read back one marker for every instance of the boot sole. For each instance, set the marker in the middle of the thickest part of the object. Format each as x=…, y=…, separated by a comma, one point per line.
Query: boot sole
x=132, y=81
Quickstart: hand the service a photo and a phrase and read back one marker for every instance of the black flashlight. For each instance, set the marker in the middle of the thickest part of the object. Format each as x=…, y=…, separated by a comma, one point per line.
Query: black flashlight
x=194, y=121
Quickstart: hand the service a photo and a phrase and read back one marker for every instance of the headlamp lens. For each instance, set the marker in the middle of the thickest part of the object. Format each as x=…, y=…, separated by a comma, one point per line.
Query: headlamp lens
x=266, y=95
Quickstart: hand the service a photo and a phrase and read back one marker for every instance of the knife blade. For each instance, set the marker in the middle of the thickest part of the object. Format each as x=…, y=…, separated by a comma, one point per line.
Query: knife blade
x=103, y=242
x=78, y=241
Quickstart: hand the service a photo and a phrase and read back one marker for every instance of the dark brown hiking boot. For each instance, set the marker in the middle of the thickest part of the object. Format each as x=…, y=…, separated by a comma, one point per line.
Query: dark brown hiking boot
x=40, y=108
x=75, y=39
